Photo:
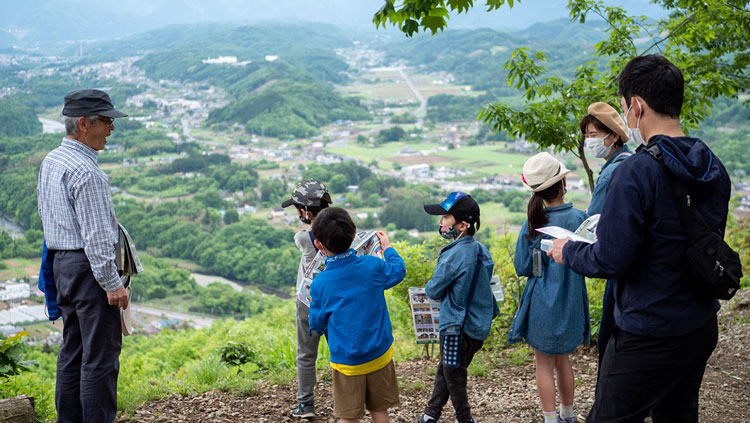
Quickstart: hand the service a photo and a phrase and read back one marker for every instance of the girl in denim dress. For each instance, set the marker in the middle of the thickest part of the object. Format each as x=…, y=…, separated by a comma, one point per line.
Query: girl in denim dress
x=553, y=316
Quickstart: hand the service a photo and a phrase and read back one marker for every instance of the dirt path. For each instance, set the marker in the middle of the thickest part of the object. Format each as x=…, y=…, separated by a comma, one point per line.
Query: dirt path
x=505, y=392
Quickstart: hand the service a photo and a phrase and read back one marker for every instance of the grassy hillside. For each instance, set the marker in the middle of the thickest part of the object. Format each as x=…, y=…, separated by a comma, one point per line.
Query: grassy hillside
x=287, y=108
x=287, y=97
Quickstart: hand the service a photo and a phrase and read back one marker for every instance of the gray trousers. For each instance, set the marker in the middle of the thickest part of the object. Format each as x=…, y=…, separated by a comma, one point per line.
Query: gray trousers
x=88, y=362
x=307, y=354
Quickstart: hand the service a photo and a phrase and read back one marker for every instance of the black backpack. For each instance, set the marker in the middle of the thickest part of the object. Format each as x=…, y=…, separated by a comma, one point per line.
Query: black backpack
x=712, y=267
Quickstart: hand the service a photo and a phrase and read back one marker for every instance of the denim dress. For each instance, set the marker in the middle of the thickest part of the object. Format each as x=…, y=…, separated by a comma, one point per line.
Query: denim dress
x=553, y=316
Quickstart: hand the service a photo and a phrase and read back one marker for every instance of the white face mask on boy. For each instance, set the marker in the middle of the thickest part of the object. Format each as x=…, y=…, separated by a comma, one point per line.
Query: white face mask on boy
x=596, y=146
x=635, y=133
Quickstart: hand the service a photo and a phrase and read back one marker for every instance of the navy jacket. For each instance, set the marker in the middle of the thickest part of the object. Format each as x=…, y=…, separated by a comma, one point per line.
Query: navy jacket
x=641, y=241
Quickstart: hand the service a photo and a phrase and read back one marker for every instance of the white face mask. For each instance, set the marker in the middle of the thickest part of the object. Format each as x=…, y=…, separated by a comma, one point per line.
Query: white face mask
x=635, y=133
x=596, y=146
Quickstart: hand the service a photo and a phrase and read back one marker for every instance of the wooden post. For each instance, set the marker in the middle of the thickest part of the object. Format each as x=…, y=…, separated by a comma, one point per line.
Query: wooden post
x=17, y=410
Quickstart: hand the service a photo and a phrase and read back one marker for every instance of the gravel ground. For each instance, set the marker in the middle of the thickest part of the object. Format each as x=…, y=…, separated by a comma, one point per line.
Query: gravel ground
x=500, y=389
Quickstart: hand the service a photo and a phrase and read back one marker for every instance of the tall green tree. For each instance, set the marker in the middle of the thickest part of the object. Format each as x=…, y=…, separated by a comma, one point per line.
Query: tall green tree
x=706, y=39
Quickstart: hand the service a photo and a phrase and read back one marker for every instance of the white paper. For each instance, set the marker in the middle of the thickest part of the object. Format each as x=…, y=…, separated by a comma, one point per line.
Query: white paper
x=586, y=232
x=560, y=233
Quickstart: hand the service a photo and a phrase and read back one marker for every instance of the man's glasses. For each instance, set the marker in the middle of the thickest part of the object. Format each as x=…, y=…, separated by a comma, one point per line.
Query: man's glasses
x=107, y=121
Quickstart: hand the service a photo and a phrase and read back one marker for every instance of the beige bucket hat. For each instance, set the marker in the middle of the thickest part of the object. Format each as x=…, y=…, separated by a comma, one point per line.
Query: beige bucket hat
x=541, y=171
x=610, y=118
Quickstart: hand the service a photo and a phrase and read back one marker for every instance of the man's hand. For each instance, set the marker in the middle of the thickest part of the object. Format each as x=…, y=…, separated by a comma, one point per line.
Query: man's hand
x=557, y=250
x=118, y=298
x=385, y=243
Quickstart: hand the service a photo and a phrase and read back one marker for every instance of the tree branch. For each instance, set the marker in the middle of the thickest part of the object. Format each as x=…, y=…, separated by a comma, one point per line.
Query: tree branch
x=671, y=33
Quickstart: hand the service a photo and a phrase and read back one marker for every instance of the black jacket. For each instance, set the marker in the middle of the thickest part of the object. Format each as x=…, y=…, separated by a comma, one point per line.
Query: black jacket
x=641, y=241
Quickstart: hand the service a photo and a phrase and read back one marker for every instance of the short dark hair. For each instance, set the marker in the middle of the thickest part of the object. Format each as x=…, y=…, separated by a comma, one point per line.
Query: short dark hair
x=313, y=209
x=656, y=80
x=334, y=228
x=589, y=119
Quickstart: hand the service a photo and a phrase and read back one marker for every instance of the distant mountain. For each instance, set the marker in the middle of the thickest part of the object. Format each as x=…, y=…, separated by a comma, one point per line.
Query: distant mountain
x=476, y=57
x=280, y=85
x=182, y=51
x=563, y=30
x=46, y=23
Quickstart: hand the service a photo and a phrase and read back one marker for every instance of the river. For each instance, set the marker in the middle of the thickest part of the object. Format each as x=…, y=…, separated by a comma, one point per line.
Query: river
x=52, y=126
x=205, y=280
x=10, y=227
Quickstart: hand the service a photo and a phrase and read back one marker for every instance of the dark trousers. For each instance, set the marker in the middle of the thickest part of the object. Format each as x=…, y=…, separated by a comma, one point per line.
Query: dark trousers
x=450, y=382
x=642, y=374
x=88, y=362
x=607, y=321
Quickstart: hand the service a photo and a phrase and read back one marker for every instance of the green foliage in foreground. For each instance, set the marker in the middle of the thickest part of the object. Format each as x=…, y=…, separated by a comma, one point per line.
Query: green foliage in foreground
x=737, y=236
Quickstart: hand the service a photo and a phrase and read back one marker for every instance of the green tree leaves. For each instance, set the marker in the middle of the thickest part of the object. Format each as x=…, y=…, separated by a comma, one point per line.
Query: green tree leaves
x=428, y=15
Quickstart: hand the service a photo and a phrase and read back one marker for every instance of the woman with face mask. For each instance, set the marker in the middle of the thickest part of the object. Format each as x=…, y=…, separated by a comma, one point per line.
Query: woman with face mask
x=605, y=136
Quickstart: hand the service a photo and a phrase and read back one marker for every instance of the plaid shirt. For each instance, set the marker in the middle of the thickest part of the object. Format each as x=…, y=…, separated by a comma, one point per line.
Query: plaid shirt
x=76, y=208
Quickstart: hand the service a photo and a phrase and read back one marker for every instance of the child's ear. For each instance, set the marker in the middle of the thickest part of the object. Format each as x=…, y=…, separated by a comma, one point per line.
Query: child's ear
x=318, y=245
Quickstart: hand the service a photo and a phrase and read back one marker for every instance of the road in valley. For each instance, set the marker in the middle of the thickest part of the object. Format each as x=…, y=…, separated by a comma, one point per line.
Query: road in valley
x=196, y=321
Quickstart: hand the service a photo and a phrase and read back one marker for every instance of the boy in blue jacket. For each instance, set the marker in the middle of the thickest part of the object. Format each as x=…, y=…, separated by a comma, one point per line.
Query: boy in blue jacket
x=461, y=283
x=348, y=306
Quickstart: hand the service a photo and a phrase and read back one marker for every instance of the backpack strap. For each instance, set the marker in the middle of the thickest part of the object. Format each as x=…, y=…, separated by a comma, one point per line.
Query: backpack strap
x=312, y=240
x=622, y=156
x=473, y=286
x=692, y=220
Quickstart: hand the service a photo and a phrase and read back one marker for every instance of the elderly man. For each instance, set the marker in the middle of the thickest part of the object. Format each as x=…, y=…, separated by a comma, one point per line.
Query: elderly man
x=81, y=230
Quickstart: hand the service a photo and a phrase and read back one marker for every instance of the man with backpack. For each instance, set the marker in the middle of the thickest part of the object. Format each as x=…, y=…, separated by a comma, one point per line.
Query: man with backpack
x=666, y=328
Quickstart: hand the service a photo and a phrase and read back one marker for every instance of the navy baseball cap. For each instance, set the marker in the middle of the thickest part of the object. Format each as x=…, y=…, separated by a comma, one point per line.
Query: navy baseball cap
x=458, y=204
x=89, y=103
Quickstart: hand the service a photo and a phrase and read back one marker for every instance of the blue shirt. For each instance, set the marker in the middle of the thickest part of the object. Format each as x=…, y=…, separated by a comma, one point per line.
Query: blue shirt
x=641, y=241
x=76, y=208
x=605, y=175
x=348, y=305
x=553, y=315
x=451, y=283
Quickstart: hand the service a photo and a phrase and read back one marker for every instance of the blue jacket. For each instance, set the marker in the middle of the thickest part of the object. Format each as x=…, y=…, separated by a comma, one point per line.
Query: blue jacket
x=553, y=314
x=605, y=175
x=451, y=282
x=46, y=282
x=641, y=241
x=348, y=305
